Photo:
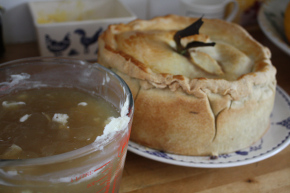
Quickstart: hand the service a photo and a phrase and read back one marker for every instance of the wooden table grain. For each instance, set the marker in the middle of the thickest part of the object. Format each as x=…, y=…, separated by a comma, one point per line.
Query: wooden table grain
x=142, y=175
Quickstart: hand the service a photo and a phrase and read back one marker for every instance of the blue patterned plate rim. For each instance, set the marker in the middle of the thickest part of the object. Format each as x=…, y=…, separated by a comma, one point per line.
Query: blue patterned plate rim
x=275, y=140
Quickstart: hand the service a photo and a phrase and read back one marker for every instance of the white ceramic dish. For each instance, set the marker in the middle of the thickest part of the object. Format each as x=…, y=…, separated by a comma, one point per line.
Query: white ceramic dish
x=270, y=19
x=275, y=140
x=71, y=28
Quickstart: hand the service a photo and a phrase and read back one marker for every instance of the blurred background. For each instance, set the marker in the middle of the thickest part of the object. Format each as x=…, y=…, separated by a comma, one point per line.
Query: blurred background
x=17, y=24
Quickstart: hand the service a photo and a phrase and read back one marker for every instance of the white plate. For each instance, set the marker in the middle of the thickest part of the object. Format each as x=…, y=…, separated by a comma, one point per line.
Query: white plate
x=270, y=19
x=276, y=139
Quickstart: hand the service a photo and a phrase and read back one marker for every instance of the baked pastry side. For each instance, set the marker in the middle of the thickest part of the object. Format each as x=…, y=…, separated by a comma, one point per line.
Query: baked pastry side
x=180, y=107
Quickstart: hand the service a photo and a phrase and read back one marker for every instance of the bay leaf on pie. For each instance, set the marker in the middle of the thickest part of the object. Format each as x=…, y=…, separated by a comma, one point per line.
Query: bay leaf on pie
x=198, y=37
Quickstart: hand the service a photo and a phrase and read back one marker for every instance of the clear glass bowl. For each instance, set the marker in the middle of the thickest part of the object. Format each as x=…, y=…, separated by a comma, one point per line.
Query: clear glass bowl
x=94, y=168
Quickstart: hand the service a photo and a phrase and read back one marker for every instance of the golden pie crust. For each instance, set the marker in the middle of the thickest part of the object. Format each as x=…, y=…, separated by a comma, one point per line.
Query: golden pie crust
x=216, y=100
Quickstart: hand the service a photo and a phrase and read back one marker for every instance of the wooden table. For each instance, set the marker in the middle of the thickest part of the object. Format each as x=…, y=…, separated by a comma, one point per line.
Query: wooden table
x=144, y=175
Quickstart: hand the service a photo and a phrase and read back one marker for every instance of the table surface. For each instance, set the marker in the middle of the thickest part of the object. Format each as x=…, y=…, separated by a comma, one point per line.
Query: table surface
x=144, y=175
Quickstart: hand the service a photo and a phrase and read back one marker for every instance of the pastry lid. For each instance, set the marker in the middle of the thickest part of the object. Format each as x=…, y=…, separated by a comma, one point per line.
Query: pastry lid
x=234, y=65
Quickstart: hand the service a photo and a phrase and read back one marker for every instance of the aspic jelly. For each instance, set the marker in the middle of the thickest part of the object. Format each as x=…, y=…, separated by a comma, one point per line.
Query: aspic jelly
x=46, y=122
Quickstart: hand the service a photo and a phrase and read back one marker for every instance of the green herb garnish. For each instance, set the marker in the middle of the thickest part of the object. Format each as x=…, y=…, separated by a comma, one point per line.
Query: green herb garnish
x=193, y=29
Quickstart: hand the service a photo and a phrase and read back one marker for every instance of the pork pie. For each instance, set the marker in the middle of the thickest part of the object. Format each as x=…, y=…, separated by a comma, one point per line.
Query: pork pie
x=213, y=100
